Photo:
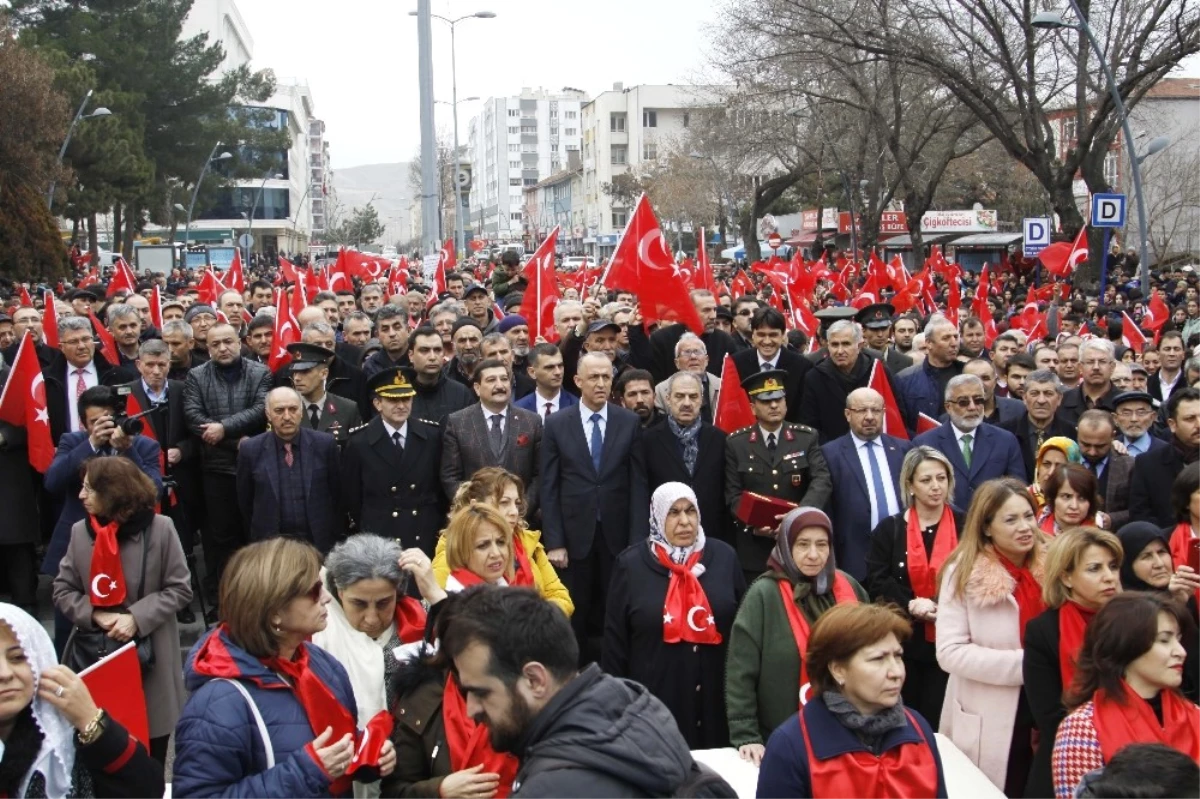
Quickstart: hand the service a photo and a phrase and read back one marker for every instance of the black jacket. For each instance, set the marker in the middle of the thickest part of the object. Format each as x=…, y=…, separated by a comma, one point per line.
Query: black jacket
x=17, y=495
x=1150, y=492
x=241, y=406
x=796, y=365
x=607, y=737
x=1022, y=428
x=1074, y=403
x=1043, y=687
x=434, y=403
x=56, y=378
x=664, y=464
x=823, y=403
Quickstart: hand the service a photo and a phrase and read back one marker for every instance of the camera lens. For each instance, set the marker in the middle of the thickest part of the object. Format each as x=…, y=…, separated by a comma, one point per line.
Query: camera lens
x=132, y=427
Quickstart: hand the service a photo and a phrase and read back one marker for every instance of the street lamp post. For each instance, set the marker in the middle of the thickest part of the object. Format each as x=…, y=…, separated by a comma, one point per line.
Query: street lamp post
x=1053, y=20
x=62, y=152
x=253, y=208
x=458, y=220
x=212, y=159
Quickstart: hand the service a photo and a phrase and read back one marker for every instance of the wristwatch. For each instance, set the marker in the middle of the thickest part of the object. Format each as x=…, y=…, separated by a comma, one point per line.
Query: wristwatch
x=93, y=729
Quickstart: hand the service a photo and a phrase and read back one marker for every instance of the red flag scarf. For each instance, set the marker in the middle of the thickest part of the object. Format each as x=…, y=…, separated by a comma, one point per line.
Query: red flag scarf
x=687, y=614
x=468, y=741
x=522, y=570
x=1181, y=541
x=320, y=705
x=922, y=568
x=1072, y=623
x=107, y=576
x=843, y=594
x=1129, y=719
x=1027, y=592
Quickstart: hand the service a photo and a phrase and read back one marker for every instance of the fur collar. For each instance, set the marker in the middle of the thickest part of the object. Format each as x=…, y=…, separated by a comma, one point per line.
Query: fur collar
x=990, y=583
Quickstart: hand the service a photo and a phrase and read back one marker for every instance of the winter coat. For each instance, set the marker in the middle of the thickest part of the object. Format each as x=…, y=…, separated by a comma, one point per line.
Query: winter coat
x=239, y=405
x=549, y=585
x=920, y=390
x=168, y=590
x=218, y=750
x=979, y=646
x=419, y=734
x=17, y=495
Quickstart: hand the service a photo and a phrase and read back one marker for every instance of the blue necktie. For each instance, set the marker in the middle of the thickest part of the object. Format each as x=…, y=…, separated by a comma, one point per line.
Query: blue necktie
x=597, y=442
x=881, y=503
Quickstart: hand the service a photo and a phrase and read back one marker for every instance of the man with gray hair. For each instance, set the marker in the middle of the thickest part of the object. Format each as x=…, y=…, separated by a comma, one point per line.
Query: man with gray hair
x=829, y=383
x=125, y=325
x=1095, y=390
x=978, y=451
x=75, y=368
x=177, y=335
x=692, y=357
x=1042, y=394
x=922, y=386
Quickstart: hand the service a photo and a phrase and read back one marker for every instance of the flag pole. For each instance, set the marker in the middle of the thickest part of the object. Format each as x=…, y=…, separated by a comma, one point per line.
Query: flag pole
x=624, y=233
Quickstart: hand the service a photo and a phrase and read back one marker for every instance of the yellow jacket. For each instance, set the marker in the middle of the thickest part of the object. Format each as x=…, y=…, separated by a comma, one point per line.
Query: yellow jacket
x=549, y=586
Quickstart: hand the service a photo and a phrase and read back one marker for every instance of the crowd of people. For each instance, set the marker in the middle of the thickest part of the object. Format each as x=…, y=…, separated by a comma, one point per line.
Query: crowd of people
x=437, y=554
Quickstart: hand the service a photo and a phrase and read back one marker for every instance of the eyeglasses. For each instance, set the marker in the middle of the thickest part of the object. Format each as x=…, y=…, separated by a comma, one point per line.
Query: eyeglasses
x=693, y=353
x=314, y=593
x=967, y=402
x=865, y=411
x=1134, y=413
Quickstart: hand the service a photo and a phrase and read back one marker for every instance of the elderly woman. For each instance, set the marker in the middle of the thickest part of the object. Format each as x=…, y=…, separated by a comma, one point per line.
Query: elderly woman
x=504, y=492
x=1054, y=452
x=907, y=550
x=1072, y=498
x=765, y=673
x=270, y=715
x=125, y=576
x=1083, y=567
x=671, y=603
x=55, y=741
x=370, y=618
x=990, y=588
x=1127, y=688
x=855, y=737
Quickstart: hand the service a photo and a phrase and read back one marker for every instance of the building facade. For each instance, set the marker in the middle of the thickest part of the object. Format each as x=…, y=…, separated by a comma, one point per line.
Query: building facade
x=556, y=201
x=320, y=187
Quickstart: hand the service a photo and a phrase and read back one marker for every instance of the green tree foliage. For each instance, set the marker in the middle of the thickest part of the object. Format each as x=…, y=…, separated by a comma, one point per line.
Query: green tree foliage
x=361, y=228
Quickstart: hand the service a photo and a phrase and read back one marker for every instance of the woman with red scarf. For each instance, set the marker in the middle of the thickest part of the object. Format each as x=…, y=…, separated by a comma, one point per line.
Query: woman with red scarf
x=1072, y=496
x=766, y=677
x=671, y=603
x=907, y=550
x=990, y=588
x=856, y=737
x=1083, y=572
x=1126, y=688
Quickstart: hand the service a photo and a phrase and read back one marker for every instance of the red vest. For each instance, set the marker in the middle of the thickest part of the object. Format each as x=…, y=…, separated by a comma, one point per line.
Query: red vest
x=843, y=593
x=908, y=771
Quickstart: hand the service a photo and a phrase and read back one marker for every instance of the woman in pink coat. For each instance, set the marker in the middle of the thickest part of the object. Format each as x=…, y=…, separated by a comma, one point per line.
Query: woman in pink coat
x=990, y=587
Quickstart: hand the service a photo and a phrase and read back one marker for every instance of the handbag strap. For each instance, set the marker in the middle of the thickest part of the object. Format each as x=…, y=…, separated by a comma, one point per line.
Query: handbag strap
x=258, y=720
x=145, y=556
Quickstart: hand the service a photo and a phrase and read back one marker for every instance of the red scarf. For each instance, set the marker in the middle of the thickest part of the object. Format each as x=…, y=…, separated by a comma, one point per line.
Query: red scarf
x=468, y=741
x=922, y=570
x=687, y=615
x=320, y=705
x=1072, y=622
x=843, y=593
x=1132, y=721
x=410, y=619
x=908, y=770
x=1049, y=526
x=107, y=576
x=1181, y=542
x=1027, y=592
x=522, y=570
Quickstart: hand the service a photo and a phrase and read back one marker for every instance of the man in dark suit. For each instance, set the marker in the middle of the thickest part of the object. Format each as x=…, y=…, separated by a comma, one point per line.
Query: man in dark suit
x=768, y=330
x=546, y=369
x=77, y=367
x=663, y=340
x=593, y=494
x=323, y=411
x=492, y=433
x=390, y=482
x=863, y=465
x=1169, y=377
x=1155, y=471
x=688, y=450
x=288, y=478
x=345, y=379
x=1095, y=390
x=1112, y=469
x=877, y=324
x=1042, y=393
x=978, y=451
x=1135, y=417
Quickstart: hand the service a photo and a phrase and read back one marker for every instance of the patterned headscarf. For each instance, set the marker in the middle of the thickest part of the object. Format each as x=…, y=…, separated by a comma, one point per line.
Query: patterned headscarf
x=661, y=501
x=56, y=758
x=1064, y=445
x=781, y=556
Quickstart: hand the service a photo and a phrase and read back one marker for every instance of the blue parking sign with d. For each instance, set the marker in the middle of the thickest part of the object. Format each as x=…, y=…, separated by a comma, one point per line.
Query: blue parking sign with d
x=1108, y=210
x=1037, y=235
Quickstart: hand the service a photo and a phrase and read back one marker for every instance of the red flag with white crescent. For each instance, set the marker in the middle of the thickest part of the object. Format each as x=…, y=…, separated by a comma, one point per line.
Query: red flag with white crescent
x=23, y=404
x=543, y=289
x=287, y=331
x=893, y=422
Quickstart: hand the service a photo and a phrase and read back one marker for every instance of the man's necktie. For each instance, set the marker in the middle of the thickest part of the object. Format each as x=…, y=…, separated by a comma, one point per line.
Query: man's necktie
x=549, y=406
x=496, y=435
x=766, y=367
x=771, y=443
x=397, y=440
x=881, y=510
x=314, y=415
x=966, y=449
x=288, y=458
x=80, y=385
x=597, y=442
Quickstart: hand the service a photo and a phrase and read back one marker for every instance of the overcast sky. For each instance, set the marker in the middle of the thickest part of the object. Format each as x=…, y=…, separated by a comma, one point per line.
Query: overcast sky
x=360, y=57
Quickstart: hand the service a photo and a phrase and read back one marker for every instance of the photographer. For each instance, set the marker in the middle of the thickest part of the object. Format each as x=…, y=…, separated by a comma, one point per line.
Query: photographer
x=101, y=410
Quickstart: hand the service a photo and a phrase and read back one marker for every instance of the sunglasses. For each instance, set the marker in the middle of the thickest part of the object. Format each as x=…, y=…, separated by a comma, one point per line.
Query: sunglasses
x=314, y=593
x=967, y=402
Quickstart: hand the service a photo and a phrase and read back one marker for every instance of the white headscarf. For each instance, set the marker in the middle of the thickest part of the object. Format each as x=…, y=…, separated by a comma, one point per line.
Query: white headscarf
x=56, y=758
x=661, y=501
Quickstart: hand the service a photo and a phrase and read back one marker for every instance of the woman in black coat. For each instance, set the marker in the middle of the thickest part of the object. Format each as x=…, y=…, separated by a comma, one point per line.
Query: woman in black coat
x=18, y=497
x=927, y=484
x=677, y=648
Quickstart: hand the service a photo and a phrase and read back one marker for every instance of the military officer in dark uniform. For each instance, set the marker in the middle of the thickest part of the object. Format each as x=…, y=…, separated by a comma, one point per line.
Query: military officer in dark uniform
x=390, y=467
x=322, y=411
x=826, y=317
x=877, y=323
x=773, y=458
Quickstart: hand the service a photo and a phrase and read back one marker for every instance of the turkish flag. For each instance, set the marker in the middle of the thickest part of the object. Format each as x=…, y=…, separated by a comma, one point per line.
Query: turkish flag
x=156, y=307
x=925, y=423
x=122, y=278
x=643, y=264
x=1061, y=258
x=108, y=347
x=733, y=410
x=287, y=270
x=115, y=683
x=287, y=331
x=23, y=404
x=50, y=321
x=446, y=263
x=703, y=277
x=339, y=278
x=893, y=424
x=1156, y=314
x=26, y=300
x=398, y=278
x=210, y=288
x=299, y=293
x=542, y=296
x=1131, y=334
x=234, y=277
x=979, y=308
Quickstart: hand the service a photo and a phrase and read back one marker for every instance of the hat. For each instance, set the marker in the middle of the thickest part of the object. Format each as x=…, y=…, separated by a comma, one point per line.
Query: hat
x=393, y=383
x=601, y=324
x=84, y=294
x=1138, y=367
x=196, y=310
x=877, y=316
x=307, y=356
x=724, y=313
x=509, y=322
x=5, y=318
x=766, y=385
x=835, y=313
x=465, y=321
x=1132, y=396
x=474, y=287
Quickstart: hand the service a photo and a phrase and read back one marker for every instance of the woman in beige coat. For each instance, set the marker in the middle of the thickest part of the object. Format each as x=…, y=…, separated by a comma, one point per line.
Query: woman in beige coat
x=990, y=587
x=99, y=582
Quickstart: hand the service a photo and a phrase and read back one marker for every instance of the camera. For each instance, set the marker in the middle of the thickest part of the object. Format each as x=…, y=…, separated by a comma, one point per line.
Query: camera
x=129, y=425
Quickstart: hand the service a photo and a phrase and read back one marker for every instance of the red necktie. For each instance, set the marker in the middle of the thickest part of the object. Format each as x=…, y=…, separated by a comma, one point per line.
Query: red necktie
x=287, y=455
x=549, y=405
x=80, y=385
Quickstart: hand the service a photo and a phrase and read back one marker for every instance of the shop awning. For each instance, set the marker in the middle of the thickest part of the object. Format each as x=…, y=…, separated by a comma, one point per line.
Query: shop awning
x=988, y=240
x=905, y=241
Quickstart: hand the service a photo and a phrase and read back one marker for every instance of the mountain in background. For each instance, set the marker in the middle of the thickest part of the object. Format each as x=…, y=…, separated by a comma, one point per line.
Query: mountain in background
x=383, y=185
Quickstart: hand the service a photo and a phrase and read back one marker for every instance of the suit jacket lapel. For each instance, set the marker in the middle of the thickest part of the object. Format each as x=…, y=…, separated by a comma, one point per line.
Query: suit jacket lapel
x=511, y=432
x=954, y=453
x=575, y=424
x=272, y=464
x=979, y=449
x=850, y=451
x=307, y=453
x=382, y=444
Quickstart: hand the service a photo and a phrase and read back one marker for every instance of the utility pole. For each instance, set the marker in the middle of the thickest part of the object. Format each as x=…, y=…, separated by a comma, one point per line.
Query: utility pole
x=429, y=171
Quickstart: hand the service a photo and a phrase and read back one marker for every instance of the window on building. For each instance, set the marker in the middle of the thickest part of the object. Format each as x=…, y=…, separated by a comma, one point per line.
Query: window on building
x=529, y=129
x=616, y=122
x=1068, y=133
x=1112, y=162
x=514, y=181
x=687, y=118
x=530, y=181
x=649, y=151
x=574, y=148
x=619, y=155
x=618, y=218
x=572, y=115
x=572, y=131
x=555, y=165
x=514, y=148
x=513, y=130
x=515, y=217
x=649, y=118
x=553, y=131
x=514, y=112
x=514, y=164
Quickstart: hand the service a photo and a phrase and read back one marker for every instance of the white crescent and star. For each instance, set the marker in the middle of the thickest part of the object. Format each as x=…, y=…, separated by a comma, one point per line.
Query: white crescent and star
x=691, y=619
x=112, y=584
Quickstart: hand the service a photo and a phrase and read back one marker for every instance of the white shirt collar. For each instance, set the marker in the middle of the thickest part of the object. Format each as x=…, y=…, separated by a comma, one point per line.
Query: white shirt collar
x=958, y=434
x=587, y=412
x=859, y=443
x=161, y=395
x=772, y=363
x=403, y=429
x=541, y=401
x=487, y=415
x=320, y=403
x=778, y=434
x=88, y=369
